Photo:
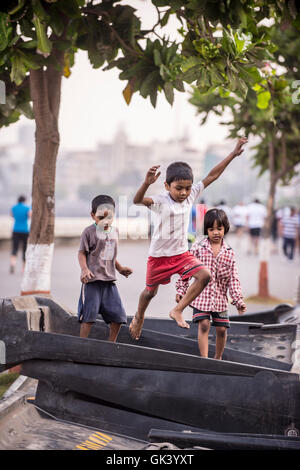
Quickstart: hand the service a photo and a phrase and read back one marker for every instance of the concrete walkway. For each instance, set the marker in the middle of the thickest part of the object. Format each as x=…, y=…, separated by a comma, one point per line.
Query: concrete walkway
x=283, y=277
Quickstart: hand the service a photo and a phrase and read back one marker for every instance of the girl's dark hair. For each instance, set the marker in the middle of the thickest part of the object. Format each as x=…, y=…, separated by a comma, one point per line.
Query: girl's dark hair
x=101, y=199
x=220, y=216
x=179, y=171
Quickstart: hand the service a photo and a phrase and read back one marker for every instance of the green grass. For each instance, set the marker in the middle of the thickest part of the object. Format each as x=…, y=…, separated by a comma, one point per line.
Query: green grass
x=6, y=380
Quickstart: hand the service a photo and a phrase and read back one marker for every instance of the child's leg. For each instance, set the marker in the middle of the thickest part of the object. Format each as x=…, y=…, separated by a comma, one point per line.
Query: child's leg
x=202, y=278
x=203, y=330
x=85, y=329
x=221, y=337
x=114, y=329
x=136, y=324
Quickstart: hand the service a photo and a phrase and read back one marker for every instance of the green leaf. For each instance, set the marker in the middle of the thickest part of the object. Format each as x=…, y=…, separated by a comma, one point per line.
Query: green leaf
x=44, y=44
x=157, y=57
x=242, y=87
x=39, y=10
x=5, y=31
x=178, y=84
x=189, y=63
x=56, y=21
x=29, y=44
x=26, y=109
x=240, y=43
x=263, y=99
x=18, y=69
x=169, y=92
x=165, y=19
x=149, y=85
x=95, y=57
x=153, y=98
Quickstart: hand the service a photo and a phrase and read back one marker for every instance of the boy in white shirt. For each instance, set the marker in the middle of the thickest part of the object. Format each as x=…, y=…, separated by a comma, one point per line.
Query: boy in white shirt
x=168, y=252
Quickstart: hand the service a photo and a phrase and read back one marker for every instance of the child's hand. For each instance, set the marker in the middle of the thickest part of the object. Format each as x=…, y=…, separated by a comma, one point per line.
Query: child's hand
x=125, y=271
x=86, y=275
x=242, y=309
x=178, y=298
x=238, y=148
x=151, y=175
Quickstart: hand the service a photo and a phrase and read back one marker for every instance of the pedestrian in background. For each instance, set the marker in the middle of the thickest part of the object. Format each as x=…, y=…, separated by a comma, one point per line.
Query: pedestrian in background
x=289, y=228
x=275, y=231
x=256, y=214
x=21, y=214
x=224, y=207
x=239, y=219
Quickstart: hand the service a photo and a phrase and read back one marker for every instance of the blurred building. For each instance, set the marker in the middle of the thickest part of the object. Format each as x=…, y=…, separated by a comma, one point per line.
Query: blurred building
x=119, y=167
x=120, y=164
x=16, y=164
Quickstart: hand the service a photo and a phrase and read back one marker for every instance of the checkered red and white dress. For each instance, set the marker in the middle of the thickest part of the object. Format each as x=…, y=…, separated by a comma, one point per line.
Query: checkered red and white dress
x=224, y=278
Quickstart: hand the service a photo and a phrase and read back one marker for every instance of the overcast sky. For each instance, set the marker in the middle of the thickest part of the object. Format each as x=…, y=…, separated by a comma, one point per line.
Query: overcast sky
x=93, y=107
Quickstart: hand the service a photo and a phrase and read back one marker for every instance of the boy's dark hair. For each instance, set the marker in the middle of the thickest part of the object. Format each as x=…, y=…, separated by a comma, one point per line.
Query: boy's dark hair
x=21, y=198
x=101, y=199
x=220, y=216
x=179, y=171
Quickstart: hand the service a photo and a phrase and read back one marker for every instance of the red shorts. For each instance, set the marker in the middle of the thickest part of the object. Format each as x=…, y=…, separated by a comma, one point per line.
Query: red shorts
x=160, y=270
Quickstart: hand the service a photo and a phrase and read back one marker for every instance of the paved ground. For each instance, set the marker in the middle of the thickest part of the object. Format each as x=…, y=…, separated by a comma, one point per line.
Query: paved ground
x=283, y=277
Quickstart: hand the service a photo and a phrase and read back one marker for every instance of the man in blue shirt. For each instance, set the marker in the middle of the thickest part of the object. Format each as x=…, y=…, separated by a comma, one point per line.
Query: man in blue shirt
x=21, y=213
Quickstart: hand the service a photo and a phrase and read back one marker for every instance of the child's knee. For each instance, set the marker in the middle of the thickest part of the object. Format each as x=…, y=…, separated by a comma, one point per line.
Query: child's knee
x=149, y=294
x=221, y=331
x=203, y=276
x=204, y=326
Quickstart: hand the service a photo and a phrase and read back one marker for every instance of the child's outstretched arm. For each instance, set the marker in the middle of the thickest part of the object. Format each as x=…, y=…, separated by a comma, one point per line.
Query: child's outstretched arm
x=218, y=169
x=150, y=178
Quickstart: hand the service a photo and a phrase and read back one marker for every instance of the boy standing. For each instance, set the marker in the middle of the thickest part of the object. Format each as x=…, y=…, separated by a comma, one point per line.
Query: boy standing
x=97, y=258
x=168, y=252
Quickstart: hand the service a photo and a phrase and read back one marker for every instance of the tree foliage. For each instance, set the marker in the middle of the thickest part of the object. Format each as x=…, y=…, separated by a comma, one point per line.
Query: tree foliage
x=222, y=45
x=270, y=110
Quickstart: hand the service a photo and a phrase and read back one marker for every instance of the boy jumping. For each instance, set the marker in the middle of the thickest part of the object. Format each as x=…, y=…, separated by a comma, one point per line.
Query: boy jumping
x=168, y=253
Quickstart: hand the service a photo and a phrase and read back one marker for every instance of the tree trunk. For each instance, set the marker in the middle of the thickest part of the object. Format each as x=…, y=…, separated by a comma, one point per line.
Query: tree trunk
x=45, y=87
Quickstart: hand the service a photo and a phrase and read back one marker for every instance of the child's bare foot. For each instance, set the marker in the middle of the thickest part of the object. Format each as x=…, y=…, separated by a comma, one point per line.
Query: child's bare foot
x=135, y=327
x=177, y=316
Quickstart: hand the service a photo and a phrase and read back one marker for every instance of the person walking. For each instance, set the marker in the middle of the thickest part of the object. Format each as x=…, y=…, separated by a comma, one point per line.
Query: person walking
x=239, y=219
x=289, y=227
x=21, y=214
x=256, y=214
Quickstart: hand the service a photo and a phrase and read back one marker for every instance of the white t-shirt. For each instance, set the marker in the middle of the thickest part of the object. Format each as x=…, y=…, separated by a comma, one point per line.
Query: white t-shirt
x=290, y=226
x=240, y=215
x=171, y=221
x=256, y=215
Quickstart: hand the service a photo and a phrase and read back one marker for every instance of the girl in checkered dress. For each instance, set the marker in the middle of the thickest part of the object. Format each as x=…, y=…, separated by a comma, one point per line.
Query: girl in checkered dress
x=212, y=303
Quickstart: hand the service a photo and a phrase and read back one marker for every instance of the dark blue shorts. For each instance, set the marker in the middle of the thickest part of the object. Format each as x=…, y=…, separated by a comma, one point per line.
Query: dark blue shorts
x=218, y=318
x=100, y=298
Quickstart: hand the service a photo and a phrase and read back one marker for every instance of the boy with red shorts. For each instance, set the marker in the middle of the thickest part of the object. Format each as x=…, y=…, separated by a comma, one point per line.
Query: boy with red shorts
x=168, y=252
